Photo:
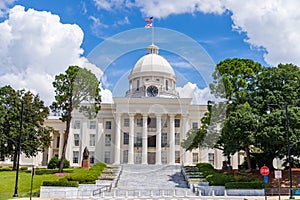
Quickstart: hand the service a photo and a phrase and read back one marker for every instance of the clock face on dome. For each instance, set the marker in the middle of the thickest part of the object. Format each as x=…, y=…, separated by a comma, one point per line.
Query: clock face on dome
x=152, y=91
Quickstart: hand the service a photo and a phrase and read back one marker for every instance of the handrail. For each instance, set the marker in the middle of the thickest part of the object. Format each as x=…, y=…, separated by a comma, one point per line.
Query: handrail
x=104, y=188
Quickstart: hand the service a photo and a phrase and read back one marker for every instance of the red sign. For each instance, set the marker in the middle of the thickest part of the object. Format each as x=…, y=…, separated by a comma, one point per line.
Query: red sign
x=264, y=171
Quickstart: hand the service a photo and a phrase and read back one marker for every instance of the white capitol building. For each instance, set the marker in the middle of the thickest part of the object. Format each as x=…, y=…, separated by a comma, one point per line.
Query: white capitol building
x=146, y=126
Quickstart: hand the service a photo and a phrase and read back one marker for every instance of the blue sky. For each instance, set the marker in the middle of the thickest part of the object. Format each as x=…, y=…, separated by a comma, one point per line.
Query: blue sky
x=266, y=32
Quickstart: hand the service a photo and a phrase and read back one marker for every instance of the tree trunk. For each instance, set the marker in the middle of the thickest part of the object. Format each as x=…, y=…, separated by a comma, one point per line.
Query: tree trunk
x=248, y=158
x=63, y=152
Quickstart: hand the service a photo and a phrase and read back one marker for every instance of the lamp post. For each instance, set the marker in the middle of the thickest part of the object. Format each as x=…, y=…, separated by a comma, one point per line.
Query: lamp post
x=18, y=148
x=288, y=144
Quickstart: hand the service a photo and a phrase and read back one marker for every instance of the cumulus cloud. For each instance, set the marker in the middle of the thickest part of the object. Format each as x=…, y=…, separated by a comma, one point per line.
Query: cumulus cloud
x=273, y=25
x=36, y=46
x=198, y=96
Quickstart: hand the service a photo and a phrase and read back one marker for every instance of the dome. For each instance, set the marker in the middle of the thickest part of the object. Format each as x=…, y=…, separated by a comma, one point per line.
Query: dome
x=152, y=63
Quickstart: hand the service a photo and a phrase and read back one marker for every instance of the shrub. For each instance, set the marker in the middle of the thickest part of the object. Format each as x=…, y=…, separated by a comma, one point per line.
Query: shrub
x=219, y=179
x=66, y=164
x=61, y=183
x=5, y=169
x=205, y=166
x=24, y=168
x=245, y=185
x=87, y=176
x=53, y=163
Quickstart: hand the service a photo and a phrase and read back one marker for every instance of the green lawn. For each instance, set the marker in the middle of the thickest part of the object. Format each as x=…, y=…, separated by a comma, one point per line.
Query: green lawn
x=7, y=183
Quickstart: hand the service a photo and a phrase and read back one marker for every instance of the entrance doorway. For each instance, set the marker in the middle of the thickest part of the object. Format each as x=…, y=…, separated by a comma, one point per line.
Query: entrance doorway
x=151, y=158
x=152, y=141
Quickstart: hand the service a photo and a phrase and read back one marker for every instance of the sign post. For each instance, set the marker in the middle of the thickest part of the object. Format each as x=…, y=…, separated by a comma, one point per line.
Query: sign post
x=278, y=175
x=264, y=170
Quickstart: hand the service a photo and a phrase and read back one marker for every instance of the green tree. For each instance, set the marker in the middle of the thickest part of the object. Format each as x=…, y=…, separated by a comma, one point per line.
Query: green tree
x=238, y=132
x=78, y=89
x=35, y=137
x=274, y=88
x=232, y=78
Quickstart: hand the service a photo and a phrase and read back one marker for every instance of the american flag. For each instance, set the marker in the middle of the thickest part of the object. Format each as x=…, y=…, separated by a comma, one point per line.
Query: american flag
x=148, y=25
x=148, y=19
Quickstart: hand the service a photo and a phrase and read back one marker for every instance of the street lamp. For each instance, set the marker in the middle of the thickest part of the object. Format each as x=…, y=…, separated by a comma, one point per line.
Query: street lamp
x=18, y=144
x=289, y=143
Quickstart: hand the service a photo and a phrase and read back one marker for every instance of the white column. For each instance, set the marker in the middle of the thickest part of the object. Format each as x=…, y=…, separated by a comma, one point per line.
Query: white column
x=172, y=140
x=145, y=140
x=158, y=140
x=51, y=147
x=184, y=131
x=131, y=139
x=118, y=139
x=61, y=143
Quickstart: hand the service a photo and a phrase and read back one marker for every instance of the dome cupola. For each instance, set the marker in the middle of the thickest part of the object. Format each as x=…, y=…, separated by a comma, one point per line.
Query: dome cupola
x=155, y=71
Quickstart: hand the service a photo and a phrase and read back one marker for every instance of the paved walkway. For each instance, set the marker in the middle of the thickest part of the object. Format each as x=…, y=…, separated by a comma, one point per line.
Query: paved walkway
x=152, y=180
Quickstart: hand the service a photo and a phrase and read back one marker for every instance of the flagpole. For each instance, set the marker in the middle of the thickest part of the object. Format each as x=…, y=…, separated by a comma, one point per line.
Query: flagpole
x=152, y=31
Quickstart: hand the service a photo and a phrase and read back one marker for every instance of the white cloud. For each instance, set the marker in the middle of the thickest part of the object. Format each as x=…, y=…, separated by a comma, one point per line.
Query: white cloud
x=36, y=46
x=199, y=96
x=4, y=4
x=161, y=9
x=270, y=24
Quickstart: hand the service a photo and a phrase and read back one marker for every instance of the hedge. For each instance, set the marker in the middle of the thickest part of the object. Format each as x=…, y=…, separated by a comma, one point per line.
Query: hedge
x=50, y=171
x=219, y=179
x=245, y=185
x=5, y=169
x=88, y=176
x=61, y=183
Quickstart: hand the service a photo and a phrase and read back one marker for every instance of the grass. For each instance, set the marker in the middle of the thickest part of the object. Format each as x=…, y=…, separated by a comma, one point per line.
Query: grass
x=7, y=183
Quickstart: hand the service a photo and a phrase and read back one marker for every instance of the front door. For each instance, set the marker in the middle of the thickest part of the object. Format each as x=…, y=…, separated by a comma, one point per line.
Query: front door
x=151, y=158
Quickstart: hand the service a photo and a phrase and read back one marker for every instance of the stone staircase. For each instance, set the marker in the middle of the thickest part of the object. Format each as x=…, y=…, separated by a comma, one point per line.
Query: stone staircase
x=151, y=181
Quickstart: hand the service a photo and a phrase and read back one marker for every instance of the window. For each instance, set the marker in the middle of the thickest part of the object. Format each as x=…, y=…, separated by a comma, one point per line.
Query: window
x=137, y=85
x=139, y=140
x=195, y=125
x=177, y=138
x=92, y=140
x=151, y=122
x=75, y=156
x=57, y=142
x=139, y=122
x=125, y=138
x=76, y=124
x=126, y=122
x=107, y=140
x=92, y=157
x=177, y=123
x=177, y=156
x=107, y=157
x=167, y=85
x=211, y=158
x=76, y=140
x=164, y=139
x=108, y=125
x=125, y=156
x=92, y=125
x=195, y=158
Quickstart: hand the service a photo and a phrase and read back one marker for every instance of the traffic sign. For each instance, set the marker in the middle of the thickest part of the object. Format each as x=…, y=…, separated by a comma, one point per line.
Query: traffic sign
x=278, y=174
x=264, y=171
